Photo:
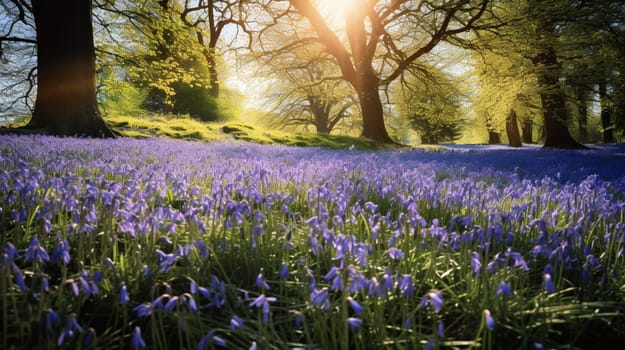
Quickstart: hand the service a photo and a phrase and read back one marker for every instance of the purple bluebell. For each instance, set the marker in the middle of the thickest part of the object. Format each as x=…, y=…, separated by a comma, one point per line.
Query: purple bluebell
x=52, y=318
x=61, y=252
x=489, y=320
x=354, y=305
x=89, y=338
x=548, y=284
x=434, y=298
x=394, y=253
x=70, y=329
x=261, y=282
x=236, y=323
x=321, y=298
x=354, y=323
x=210, y=338
x=503, y=289
x=262, y=302
x=137, y=340
x=36, y=252
x=19, y=280
x=476, y=263
x=284, y=271
x=124, y=298
x=143, y=310
x=406, y=286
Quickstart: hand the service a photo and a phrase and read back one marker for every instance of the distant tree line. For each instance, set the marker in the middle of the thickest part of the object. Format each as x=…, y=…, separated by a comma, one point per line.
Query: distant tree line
x=529, y=71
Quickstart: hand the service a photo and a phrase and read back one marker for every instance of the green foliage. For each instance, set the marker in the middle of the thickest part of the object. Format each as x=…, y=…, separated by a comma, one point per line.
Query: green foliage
x=429, y=100
x=197, y=102
x=161, y=56
x=118, y=96
x=177, y=127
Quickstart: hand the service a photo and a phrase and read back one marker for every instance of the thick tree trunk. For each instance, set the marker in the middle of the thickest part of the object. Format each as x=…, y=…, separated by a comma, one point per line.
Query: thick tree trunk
x=373, y=117
x=606, y=114
x=556, y=132
x=493, y=138
x=512, y=130
x=527, y=131
x=66, y=89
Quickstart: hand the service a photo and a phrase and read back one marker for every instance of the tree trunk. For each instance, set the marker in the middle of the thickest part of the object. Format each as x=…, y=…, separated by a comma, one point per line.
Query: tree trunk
x=582, y=115
x=66, y=88
x=606, y=114
x=493, y=137
x=556, y=132
x=512, y=130
x=527, y=131
x=373, y=116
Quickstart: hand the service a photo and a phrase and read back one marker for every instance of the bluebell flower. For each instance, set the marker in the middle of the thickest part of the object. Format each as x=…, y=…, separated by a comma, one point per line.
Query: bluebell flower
x=354, y=323
x=146, y=271
x=137, y=339
x=74, y=287
x=394, y=253
x=19, y=280
x=189, y=300
x=408, y=322
x=36, y=252
x=143, y=310
x=332, y=274
x=488, y=319
x=52, y=318
x=440, y=329
x=321, y=298
x=210, y=338
x=504, y=288
x=124, y=298
x=429, y=345
x=89, y=338
x=71, y=326
x=548, y=284
x=171, y=303
x=236, y=323
x=354, y=305
x=476, y=263
x=253, y=346
x=61, y=252
x=405, y=285
x=261, y=283
x=284, y=271
x=299, y=319
x=435, y=298
x=262, y=302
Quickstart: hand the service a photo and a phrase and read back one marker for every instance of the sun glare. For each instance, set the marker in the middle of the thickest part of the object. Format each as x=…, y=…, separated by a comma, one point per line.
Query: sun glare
x=334, y=10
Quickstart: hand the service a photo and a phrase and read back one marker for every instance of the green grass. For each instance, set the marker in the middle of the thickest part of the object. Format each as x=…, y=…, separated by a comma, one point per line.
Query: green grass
x=185, y=128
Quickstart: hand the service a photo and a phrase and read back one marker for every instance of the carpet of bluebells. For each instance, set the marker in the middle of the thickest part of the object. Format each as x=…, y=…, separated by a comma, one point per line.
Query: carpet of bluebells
x=130, y=244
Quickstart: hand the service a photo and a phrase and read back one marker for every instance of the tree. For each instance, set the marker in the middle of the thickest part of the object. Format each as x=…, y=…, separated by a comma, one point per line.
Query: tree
x=210, y=18
x=505, y=83
x=382, y=39
x=306, y=89
x=66, y=91
x=431, y=103
x=17, y=61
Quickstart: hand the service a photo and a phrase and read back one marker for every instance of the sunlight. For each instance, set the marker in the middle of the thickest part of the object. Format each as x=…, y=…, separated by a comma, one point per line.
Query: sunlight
x=334, y=11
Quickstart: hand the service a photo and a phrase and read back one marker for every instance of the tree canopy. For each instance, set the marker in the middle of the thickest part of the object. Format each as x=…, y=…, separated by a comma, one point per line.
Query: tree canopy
x=554, y=69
